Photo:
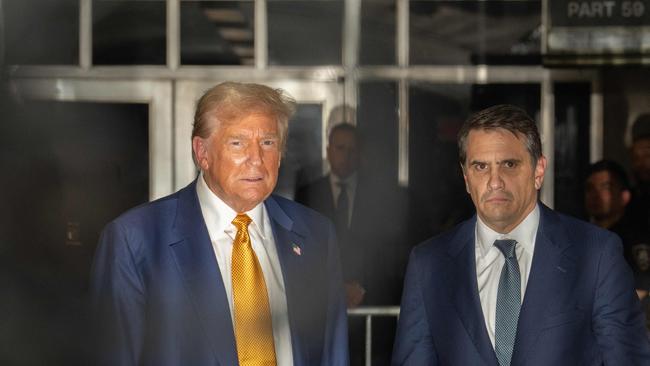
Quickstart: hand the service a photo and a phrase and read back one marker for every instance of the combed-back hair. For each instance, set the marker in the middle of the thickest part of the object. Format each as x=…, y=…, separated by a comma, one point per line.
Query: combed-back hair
x=231, y=101
x=507, y=117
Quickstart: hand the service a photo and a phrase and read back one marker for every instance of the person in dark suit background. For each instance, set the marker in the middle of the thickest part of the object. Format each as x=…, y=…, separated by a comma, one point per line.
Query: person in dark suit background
x=222, y=272
x=371, y=220
x=517, y=284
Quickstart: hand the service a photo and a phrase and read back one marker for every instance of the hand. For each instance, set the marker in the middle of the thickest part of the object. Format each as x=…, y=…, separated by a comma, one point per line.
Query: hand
x=354, y=293
x=641, y=293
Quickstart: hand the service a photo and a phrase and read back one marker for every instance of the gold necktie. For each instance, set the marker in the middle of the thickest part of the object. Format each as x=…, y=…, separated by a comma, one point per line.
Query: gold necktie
x=253, y=329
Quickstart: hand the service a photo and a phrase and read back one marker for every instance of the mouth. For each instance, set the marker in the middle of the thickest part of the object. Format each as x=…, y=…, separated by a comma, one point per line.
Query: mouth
x=497, y=199
x=255, y=179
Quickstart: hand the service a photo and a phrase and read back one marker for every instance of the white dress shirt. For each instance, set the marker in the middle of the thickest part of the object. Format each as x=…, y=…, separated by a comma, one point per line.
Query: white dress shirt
x=218, y=217
x=350, y=187
x=490, y=261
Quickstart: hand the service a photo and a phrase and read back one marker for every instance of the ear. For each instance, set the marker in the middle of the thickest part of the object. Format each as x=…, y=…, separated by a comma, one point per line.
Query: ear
x=200, y=150
x=462, y=169
x=626, y=196
x=540, y=168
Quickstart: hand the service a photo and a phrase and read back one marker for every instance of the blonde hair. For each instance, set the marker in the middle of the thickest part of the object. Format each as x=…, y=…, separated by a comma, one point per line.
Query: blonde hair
x=230, y=101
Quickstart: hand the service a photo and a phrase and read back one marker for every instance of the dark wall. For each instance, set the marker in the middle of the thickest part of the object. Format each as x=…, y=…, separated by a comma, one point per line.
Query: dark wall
x=67, y=169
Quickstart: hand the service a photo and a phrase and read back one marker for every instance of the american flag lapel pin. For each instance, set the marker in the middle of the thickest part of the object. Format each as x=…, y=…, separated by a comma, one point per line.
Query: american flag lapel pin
x=296, y=249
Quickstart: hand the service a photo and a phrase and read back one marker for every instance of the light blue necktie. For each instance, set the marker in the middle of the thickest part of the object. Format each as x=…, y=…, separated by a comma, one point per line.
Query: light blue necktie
x=508, y=303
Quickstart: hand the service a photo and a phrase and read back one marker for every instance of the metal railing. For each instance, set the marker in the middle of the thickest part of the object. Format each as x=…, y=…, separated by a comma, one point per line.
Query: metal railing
x=369, y=312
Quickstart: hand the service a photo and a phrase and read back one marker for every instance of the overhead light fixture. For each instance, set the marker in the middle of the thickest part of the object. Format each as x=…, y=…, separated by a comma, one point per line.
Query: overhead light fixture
x=224, y=15
x=236, y=34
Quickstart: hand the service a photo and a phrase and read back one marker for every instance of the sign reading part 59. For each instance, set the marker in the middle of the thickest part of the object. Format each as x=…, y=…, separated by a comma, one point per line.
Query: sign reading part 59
x=576, y=13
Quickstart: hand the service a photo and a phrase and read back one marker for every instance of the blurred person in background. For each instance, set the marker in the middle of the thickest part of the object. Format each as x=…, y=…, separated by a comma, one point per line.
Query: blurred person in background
x=607, y=195
x=370, y=219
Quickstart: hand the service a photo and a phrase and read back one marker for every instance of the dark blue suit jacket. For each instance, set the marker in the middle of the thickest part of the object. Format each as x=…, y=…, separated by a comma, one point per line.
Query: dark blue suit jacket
x=159, y=299
x=580, y=307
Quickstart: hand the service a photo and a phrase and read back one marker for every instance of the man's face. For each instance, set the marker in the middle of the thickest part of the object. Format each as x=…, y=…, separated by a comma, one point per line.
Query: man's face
x=342, y=153
x=500, y=177
x=641, y=159
x=604, y=198
x=240, y=160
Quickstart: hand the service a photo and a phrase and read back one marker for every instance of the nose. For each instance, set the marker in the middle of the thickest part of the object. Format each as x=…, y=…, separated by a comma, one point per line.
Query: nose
x=495, y=182
x=254, y=154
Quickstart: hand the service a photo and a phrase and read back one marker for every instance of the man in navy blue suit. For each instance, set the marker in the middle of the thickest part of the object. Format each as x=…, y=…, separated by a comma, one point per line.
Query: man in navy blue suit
x=517, y=284
x=222, y=272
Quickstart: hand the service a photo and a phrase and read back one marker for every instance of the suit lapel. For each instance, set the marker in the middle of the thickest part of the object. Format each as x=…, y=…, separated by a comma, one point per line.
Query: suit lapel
x=464, y=290
x=289, y=238
x=551, y=277
x=198, y=266
x=328, y=198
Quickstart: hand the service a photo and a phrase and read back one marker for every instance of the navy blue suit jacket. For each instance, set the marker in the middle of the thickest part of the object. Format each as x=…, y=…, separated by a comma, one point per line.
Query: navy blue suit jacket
x=579, y=308
x=159, y=298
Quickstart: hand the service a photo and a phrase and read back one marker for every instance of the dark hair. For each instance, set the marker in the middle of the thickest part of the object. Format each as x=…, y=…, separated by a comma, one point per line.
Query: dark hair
x=641, y=127
x=615, y=170
x=507, y=117
x=343, y=126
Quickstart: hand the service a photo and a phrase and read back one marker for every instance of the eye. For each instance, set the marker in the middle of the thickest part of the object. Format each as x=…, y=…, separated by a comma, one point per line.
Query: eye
x=235, y=143
x=268, y=143
x=509, y=164
x=480, y=166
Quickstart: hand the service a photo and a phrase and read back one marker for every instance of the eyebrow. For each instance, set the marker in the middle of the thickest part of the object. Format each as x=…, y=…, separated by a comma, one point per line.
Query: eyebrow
x=244, y=136
x=513, y=160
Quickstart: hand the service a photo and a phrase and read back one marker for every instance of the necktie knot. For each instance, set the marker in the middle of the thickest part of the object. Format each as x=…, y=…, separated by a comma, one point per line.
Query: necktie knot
x=506, y=246
x=241, y=221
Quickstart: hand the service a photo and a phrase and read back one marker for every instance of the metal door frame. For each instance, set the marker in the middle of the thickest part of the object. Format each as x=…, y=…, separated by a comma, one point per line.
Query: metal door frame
x=156, y=94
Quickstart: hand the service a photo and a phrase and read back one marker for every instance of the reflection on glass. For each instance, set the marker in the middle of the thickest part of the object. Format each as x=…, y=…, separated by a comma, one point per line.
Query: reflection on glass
x=41, y=32
x=377, y=32
x=305, y=32
x=378, y=121
x=302, y=162
x=572, y=120
x=217, y=33
x=129, y=32
x=436, y=114
x=475, y=32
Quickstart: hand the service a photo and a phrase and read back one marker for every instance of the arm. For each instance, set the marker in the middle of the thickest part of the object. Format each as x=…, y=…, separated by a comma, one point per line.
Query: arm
x=117, y=296
x=413, y=342
x=335, y=349
x=617, y=319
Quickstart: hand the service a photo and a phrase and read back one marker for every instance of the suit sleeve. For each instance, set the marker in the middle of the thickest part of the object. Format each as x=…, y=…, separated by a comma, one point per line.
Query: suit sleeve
x=117, y=298
x=617, y=320
x=335, y=351
x=413, y=343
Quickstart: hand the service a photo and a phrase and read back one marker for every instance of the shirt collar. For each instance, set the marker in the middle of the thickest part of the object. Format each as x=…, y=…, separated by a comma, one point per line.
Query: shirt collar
x=220, y=214
x=524, y=233
x=350, y=181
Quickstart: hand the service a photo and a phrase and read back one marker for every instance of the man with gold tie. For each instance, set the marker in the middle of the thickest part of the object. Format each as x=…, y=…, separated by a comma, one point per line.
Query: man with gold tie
x=222, y=272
